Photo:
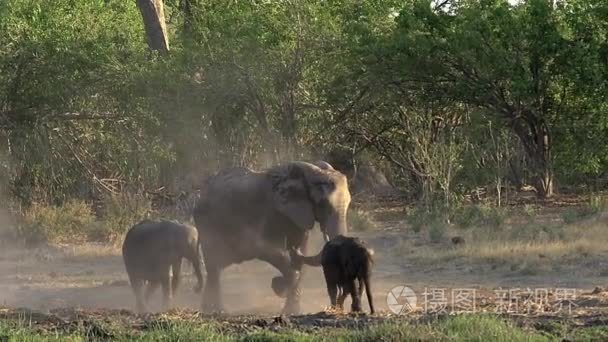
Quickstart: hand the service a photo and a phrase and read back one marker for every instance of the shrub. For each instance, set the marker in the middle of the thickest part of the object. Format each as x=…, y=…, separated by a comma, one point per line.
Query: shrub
x=467, y=216
x=435, y=218
x=478, y=215
x=67, y=223
x=360, y=220
x=596, y=205
x=418, y=218
x=436, y=230
x=495, y=217
x=120, y=212
x=529, y=212
x=572, y=215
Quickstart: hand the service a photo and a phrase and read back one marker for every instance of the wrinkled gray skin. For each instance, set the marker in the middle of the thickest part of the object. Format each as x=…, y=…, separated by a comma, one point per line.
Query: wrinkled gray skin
x=152, y=250
x=244, y=215
x=347, y=265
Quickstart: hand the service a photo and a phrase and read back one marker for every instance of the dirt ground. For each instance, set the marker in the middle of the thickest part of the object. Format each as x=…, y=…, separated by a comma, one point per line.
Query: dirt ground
x=92, y=277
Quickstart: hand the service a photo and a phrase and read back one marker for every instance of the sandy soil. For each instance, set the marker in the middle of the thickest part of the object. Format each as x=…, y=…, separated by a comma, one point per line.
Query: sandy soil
x=91, y=277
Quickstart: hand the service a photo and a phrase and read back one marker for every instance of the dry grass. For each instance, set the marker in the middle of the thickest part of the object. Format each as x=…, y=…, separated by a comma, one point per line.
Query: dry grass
x=67, y=223
x=530, y=244
x=89, y=250
x=360, y=220
x=496, y=250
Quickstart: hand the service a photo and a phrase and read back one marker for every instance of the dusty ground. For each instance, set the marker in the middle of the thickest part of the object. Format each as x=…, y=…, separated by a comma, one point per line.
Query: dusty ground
x=92, y=277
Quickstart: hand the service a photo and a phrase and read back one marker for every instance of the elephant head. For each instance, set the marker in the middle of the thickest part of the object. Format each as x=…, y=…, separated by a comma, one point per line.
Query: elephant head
x=305, y=193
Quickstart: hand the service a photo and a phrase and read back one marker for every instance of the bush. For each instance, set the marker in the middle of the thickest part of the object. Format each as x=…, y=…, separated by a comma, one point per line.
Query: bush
x=529, y=213
x=467, y=216
x=537, y=232
x=572, y=215
x=418, y=218
x=67, y=223
x=596, y=205
x=433, y=219
x=120, y=212
x=478, y=215
x=495, y=217
x=436, y=230
x=360, y=220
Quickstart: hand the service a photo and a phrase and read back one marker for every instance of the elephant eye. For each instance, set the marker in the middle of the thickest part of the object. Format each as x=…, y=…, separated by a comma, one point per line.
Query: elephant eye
x=325, y=185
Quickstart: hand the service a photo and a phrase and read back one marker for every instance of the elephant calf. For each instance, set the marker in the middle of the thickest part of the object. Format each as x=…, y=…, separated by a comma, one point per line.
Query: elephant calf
x=152, y=250
x=347, y=264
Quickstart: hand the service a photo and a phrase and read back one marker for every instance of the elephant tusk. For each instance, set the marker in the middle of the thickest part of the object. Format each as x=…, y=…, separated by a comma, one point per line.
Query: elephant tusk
x=325, y=237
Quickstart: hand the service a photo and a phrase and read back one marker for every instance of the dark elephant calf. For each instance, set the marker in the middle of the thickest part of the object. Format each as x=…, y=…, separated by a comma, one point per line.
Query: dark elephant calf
x=347, y=264
x=152, y=250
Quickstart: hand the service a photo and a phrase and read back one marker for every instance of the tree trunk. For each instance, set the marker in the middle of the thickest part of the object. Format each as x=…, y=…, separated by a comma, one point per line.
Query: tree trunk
x=535, y=137
x=153, y=15
x=188, y=17
x=542, y=162
x=544, y=184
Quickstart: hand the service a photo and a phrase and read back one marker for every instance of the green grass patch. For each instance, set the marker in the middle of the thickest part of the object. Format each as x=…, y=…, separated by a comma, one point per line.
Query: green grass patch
x=453, y=328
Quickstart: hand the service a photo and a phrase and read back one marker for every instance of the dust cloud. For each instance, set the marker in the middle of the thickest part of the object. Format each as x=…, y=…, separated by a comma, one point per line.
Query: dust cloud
x=93, y=277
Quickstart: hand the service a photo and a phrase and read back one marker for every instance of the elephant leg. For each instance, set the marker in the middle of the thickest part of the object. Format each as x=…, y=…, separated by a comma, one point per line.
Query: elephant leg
x=281, y=261
x=361, y=287
x=152, y=286
x=165, y=284
x=355, y=296
x=194, y=259
x=347, y=289
x=212, y=300
x=137, y=286
x=294, y=294
x=150, y=289
x=332, y=287
x=175, y=270
x=341, y=298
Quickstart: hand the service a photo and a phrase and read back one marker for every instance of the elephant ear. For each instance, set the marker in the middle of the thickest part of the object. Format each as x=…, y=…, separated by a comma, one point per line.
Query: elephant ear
x=292, y=200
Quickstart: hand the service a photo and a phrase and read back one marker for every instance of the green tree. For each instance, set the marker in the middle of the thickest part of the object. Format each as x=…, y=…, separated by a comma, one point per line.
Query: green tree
x=515, y=62
x=65, y=119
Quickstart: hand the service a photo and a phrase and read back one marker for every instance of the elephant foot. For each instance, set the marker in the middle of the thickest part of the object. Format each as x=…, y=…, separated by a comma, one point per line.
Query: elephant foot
x=212, y=304
x=292, y=304
x=292, y=308
x=336, y=308
x=280, y=286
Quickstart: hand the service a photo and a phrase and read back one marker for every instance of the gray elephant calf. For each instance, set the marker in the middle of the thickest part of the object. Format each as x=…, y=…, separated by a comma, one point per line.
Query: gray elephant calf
x=151, y=250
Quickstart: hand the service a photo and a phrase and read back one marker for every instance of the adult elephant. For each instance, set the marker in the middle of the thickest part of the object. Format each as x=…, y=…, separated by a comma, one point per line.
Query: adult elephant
x=244, y=215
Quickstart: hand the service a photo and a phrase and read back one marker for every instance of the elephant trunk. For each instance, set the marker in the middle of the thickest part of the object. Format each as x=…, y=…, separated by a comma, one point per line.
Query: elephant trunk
x=298, y=259
x=334, y=225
